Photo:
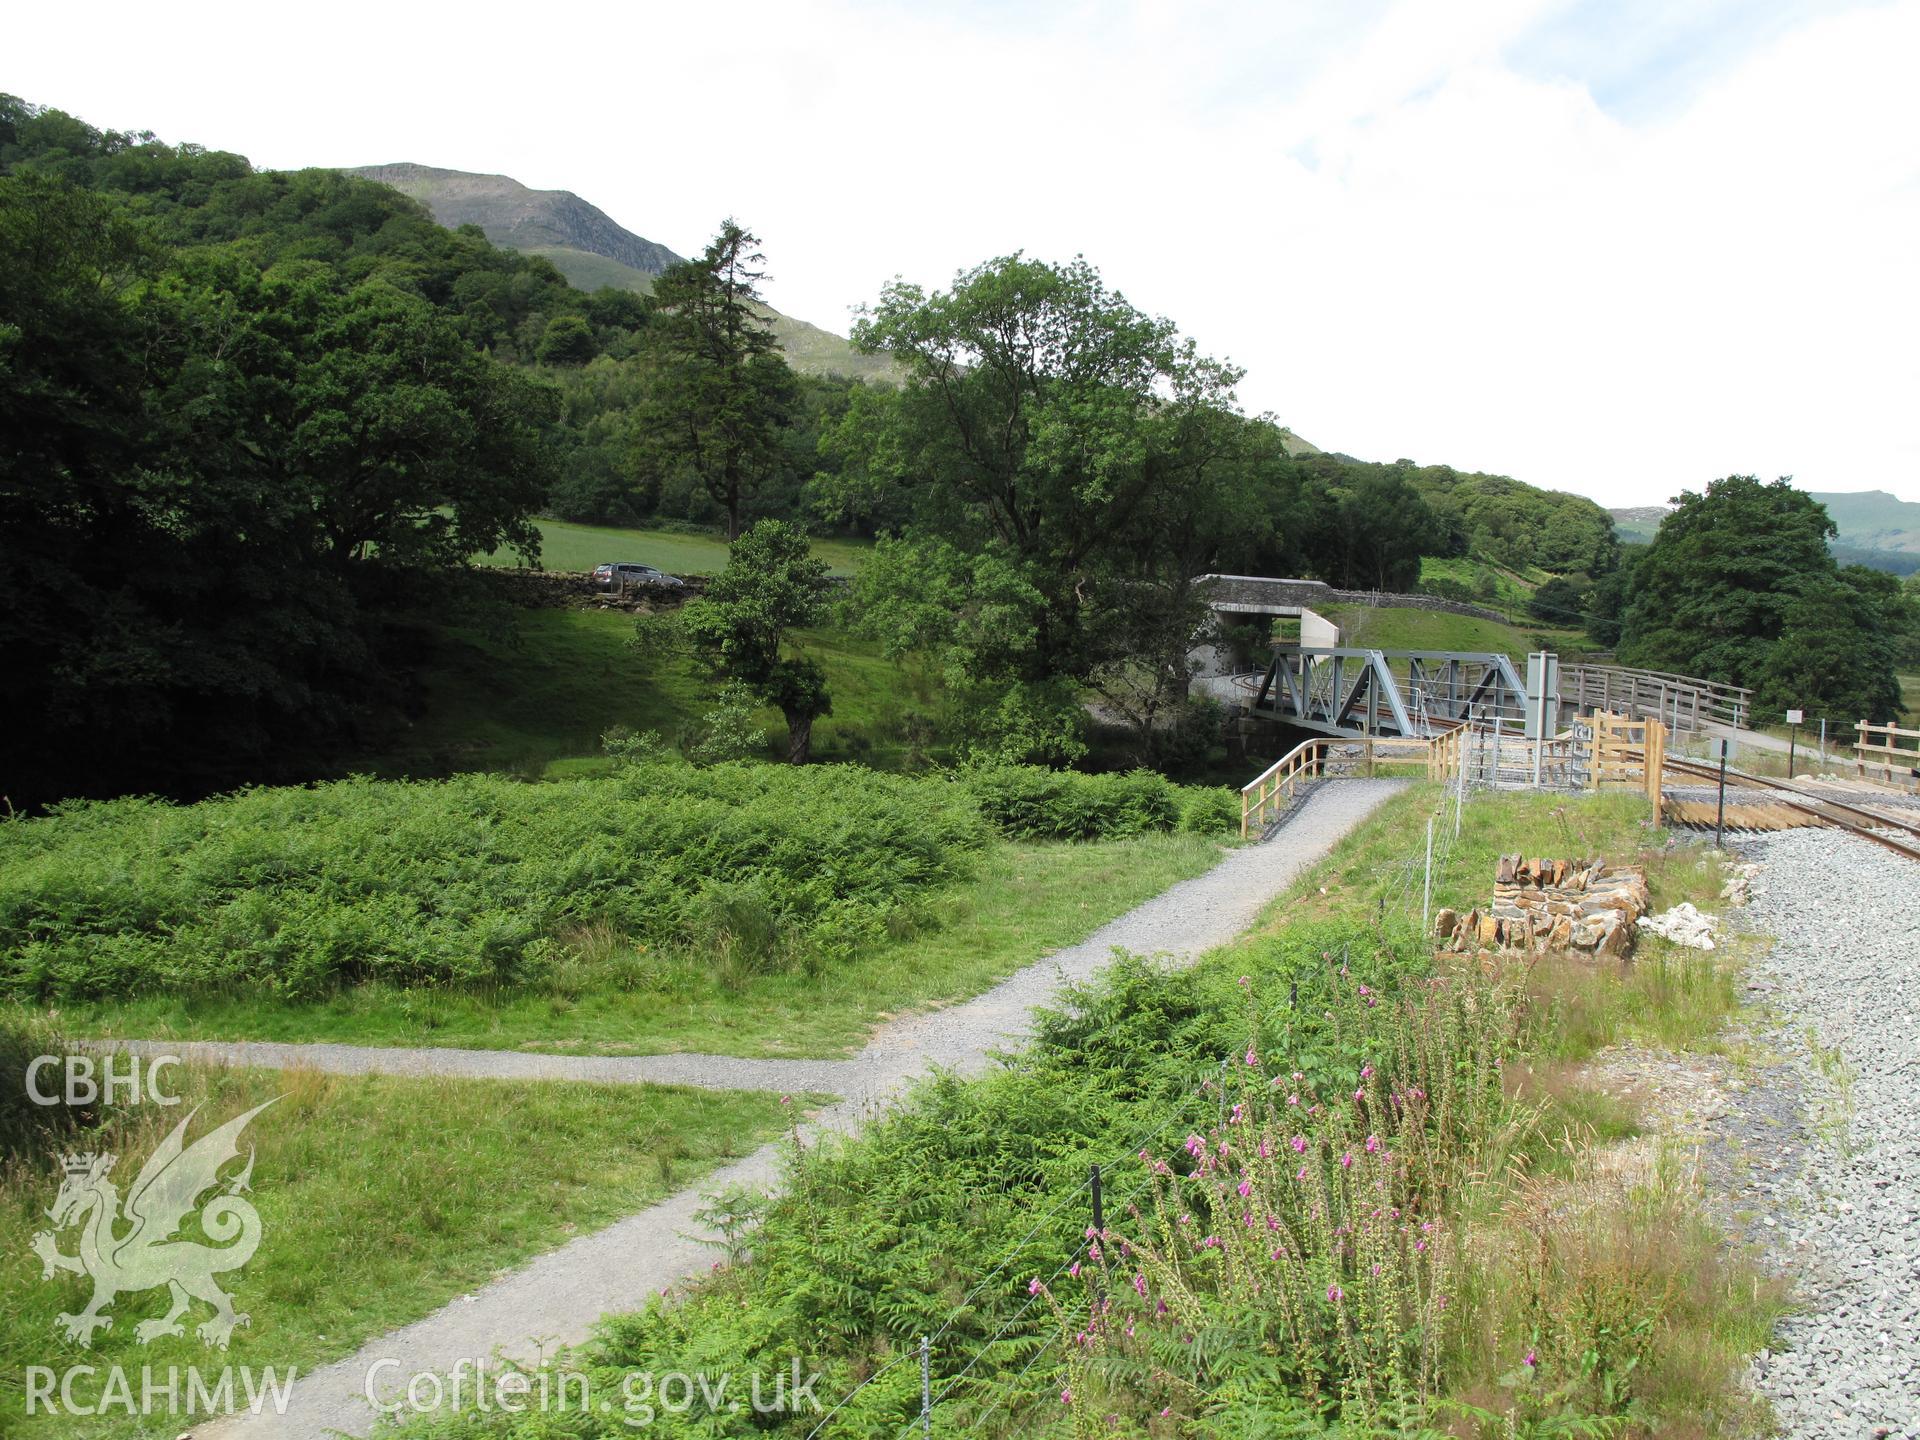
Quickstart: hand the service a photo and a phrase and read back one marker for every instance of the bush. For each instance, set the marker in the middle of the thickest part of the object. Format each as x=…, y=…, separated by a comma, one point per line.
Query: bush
x=730, y=731
x=1210, y=810
x=467, y=881
x=1028, y=802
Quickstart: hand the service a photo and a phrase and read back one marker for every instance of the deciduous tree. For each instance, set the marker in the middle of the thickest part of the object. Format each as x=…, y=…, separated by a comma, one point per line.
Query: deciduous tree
x=771, y=586
x=1739, y=586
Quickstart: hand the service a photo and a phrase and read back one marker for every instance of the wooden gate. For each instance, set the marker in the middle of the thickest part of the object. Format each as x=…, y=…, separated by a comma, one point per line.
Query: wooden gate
x=1627, y=751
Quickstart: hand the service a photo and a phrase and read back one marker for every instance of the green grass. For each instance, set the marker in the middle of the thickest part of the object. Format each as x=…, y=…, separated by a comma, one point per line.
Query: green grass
x=978, y=1179
x=566, y=546
x=535, y=699
x=380, y=1199
x=1910, y=699
x=1511, y=589
x=1380, y=628
x=1027, y=900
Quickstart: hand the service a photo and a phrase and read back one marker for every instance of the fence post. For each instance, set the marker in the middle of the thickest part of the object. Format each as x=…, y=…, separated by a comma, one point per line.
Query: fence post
x=1655, y=751
x=926, y=1386
x=1426, y=891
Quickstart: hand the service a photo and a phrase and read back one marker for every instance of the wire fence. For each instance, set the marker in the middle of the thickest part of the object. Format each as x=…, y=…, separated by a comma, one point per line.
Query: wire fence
x=1413, y=878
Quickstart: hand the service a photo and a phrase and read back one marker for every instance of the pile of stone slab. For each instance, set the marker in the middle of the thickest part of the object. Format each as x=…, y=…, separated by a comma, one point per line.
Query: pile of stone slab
x=1584, y=906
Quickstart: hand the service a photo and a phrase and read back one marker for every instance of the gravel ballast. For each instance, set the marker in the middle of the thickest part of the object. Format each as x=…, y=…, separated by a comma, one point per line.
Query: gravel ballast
x=1842, y=985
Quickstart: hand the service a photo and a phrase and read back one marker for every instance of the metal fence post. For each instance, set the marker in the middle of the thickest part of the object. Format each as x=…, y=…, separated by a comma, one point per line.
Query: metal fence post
x=926, y=1386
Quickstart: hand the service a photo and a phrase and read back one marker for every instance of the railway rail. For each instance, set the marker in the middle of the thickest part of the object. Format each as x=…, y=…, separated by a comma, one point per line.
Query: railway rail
x=1856, y=819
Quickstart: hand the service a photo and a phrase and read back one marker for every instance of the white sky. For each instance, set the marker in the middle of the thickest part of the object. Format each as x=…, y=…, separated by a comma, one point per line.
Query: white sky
x=1613, y=246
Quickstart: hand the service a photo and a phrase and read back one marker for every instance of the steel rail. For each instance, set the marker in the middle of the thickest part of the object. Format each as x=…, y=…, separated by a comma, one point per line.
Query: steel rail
x=1838, y=813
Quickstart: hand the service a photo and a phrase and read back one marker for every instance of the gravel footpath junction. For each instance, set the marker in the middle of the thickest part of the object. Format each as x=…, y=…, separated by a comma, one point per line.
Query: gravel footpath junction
x=556, y=1298
x=1843, y=986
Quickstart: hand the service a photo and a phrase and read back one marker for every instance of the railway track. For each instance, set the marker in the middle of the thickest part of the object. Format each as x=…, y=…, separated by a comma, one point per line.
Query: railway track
x=1869, y=824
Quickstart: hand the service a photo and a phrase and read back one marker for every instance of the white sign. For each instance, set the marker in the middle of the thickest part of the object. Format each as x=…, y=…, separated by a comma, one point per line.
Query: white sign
x=1794, y=717
x=1722, y=750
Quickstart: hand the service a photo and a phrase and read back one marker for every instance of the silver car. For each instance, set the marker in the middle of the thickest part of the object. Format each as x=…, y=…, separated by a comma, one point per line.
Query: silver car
x=627, y=577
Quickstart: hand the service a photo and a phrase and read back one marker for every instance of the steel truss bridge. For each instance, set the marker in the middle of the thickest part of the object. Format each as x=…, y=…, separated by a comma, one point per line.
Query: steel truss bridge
x=1414, y=694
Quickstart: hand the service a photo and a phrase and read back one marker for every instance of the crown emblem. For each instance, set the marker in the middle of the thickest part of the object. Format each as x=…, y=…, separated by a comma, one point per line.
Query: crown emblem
x=81, y=1164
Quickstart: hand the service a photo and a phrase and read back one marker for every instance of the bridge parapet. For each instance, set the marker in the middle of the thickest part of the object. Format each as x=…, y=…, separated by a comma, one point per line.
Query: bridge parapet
x=1682, y=702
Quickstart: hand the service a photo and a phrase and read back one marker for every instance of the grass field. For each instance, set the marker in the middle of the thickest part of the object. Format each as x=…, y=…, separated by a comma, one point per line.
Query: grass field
x=380, y=1199
x=566, y=546
x=1027, y=899
x=536, y=699
x=1910, y=697
x=1408, y=629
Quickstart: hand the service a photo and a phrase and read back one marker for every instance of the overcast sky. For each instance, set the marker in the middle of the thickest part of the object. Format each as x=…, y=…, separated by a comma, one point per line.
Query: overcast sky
x=1612, y=246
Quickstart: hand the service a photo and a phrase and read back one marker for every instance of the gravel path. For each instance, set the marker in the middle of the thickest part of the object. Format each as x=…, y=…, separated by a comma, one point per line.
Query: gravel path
x=557, y=1297
x=1832, y=1185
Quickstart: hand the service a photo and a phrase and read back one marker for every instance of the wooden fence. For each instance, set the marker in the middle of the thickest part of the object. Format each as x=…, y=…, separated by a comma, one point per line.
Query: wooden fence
x=1898, y=764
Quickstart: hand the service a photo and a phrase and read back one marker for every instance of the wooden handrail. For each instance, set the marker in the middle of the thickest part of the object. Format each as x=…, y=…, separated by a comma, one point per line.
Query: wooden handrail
x=1278, y=780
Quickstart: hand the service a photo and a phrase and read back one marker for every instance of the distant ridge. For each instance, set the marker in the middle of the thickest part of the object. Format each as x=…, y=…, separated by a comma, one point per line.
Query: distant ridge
x=1873, y=520
x=592, y=249
x=1635, y=526
x=1875, y=527
x=515, y=217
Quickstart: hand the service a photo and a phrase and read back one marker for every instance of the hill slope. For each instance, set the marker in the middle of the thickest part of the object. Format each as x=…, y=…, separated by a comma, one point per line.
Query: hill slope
x=1873, y=520
x=592, y=250
x=1635, y=526
x=515, y=217
x=1876, y=528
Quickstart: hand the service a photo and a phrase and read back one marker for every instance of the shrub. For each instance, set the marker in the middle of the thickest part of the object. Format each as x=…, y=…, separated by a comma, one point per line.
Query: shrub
x=1209, y=810
x=730, y=731
x=1028, y=802
x=625, y=746
x=466, y=881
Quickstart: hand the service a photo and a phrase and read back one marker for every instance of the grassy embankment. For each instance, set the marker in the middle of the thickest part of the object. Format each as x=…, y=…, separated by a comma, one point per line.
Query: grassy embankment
x=380, y=1199
x=1408, y=629
x=1472, y=1268
x=1026, y=900
x=1511, y=588
x=535, y=700
x=758, y=910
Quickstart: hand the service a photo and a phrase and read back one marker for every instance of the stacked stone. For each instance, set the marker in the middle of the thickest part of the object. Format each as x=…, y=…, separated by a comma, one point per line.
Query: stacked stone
x=1542, y=905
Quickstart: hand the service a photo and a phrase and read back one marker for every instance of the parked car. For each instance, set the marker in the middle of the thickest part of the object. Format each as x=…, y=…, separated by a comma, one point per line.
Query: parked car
x=622, y=576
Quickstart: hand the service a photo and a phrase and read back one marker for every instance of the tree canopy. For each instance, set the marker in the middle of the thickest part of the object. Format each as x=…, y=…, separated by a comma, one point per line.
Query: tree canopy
x=1061, y=463
x=1739, y=587
x=219, y=459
